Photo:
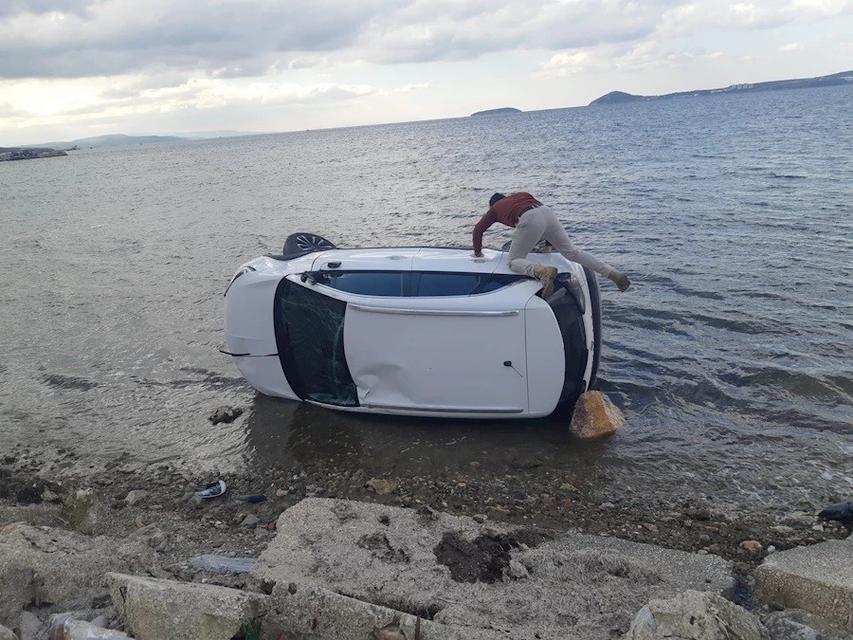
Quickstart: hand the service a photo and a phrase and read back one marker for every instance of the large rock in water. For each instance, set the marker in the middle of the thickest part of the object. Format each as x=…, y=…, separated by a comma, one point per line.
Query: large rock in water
x=465, y=579
x=695, y=616
x=817, y=579
x=43, y=566
x=595, y=416
x=159, y=609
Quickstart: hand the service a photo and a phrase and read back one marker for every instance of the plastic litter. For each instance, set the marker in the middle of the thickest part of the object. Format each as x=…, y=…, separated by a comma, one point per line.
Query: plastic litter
x=222, y=564
x=254, y=499
x=212, y=490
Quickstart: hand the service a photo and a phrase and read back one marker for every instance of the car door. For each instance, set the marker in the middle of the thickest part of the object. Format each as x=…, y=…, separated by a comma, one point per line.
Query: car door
x=439, y=354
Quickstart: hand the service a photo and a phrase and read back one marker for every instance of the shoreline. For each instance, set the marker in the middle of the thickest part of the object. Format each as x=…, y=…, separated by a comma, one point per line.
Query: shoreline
x=158, y=510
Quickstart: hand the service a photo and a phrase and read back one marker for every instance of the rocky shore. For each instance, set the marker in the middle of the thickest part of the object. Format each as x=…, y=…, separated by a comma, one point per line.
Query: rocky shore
x=31, y=153
x=479, y=537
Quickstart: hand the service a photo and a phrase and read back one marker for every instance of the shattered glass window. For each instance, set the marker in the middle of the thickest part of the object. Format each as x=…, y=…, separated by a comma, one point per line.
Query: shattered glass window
x=309, y=331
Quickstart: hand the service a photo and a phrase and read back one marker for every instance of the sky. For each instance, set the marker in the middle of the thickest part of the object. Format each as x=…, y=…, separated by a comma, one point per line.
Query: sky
x=77, y=68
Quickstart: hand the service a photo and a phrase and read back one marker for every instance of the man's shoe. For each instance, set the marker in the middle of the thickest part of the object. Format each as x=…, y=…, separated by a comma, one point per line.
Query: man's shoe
x=545, y=275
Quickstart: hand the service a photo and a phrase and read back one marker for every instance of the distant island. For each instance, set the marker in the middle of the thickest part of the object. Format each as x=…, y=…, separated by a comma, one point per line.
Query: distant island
x=844, y=77
x=495, y=112
x=18, y=153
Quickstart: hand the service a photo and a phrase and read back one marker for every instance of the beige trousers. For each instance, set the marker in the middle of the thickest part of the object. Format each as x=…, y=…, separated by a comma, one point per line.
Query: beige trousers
x=541, y=223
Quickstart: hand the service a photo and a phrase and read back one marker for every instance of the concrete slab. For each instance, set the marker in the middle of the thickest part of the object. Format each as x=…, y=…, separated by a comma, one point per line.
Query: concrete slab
x=817, y=579
x=451, y=570
x=157, y=609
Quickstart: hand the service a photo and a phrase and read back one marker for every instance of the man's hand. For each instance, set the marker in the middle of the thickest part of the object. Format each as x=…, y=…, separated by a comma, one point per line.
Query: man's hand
x=620, y=280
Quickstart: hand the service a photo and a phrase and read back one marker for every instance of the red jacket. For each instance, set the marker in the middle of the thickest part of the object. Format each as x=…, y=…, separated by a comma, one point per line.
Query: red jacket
x=506, y=211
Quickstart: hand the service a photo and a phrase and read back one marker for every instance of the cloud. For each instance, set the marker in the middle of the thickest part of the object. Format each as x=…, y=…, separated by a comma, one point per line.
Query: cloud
x=245, y=38
x=120, y=36
x=791, y=47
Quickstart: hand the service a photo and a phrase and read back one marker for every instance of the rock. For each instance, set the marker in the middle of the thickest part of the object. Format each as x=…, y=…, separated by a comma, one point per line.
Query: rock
x=41, y=566
x=480, y=518
x=781, y=626
x=782, y=530
x=694, y=615
x=516, y=570
x=751, y=546
x=225, y=414
x=382, y=486
x=7, y=634
x=157, y=609
x=135, y=496
x=29, y=626
x=817, y=579
x=595, y=416
x=453, y=569
x=307, y=611
x=50, y=496
x=250, y=521
x=799, y=518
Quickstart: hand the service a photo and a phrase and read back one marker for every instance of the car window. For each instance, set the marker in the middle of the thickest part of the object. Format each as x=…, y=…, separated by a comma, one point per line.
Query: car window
x=367, y=283
x=415, y=283
x=461, y=284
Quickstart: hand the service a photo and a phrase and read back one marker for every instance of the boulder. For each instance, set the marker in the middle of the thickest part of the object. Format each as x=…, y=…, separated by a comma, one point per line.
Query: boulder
x=595, y=416
x=817, y=579
x=695, y=615
x=43, y=566
x=465, y=575
x=7, y=634
x=156, y=609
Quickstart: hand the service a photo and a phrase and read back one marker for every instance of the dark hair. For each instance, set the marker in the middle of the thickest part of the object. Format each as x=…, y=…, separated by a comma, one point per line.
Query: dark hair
x=495, y=197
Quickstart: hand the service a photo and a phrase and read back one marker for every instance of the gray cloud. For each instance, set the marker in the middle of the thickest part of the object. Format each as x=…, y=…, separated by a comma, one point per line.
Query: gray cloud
x=239, y=38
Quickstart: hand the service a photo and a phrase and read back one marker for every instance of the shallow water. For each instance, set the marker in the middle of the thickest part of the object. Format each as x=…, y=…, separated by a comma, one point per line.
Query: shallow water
x=731, y=355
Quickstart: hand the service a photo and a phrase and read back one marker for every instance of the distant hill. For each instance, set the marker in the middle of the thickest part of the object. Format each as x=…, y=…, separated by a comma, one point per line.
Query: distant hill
x=844, y=77
x=112, y=140
x=495, y=112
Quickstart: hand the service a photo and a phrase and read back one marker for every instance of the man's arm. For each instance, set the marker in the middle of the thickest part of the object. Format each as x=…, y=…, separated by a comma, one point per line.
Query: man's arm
x=485, y=222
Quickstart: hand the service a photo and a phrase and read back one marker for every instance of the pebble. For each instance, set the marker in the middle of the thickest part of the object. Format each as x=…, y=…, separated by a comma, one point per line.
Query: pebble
x=135, y=496
x=782, y=529
x=480, y=518
x=771, y=549
x=751, y=546
x=381, y=486
x=250, y=521
x=607, y=505
x=225, y=414
x=281, y=493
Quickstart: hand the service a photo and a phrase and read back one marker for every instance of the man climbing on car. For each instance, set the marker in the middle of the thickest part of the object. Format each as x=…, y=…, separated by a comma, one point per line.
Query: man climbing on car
x=533, y=222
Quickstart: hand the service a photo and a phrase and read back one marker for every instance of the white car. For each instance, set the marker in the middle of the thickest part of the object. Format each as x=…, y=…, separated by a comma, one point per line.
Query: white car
x=418, y=331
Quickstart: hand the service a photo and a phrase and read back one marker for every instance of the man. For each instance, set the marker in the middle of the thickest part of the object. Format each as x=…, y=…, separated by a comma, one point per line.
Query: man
x=533, y=222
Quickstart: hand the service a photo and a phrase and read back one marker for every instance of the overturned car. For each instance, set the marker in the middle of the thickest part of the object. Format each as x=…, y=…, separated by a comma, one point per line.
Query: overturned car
x=421, y=331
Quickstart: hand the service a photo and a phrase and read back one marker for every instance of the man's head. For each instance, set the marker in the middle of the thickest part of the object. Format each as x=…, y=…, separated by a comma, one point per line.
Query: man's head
x=495, y=197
